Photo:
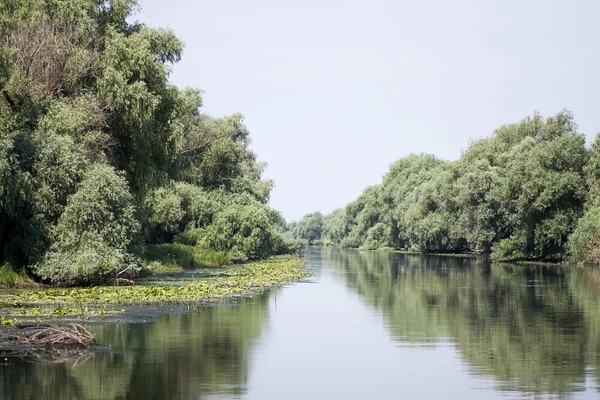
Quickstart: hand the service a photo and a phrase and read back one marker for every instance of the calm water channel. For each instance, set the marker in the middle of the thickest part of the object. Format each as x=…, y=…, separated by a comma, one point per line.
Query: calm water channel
x=366, y=326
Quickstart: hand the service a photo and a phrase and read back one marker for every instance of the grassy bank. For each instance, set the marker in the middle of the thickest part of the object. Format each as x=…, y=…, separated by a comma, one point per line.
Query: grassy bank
x=9, y=278
x=172, y=256
x=99, y=301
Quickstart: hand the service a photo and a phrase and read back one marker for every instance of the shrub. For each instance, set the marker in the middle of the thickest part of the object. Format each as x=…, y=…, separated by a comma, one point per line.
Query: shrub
x=9, y=277
x=509, y=249
x=94, y=233
x=165, y=214
x=584, y=242
x=91, y=262
x=244, y=230
x=376, y=237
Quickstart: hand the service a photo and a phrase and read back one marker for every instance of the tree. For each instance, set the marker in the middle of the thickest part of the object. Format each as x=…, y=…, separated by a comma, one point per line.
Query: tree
x=334, y=227
x=310, y=227
x=584, y=242
x=537, y=186
x=85, y=100
x=94, y=234
x=517, y=194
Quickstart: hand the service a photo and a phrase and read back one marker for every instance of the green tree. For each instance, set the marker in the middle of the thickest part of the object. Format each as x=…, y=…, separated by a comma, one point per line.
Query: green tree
x=536, y=186
x=310, y=227
x=334, y=226
x=517, y=194
x=93, y=236
x=85, y=99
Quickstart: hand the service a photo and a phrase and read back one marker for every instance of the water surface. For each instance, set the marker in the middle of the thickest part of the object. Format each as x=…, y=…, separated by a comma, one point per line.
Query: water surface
x=367, y=325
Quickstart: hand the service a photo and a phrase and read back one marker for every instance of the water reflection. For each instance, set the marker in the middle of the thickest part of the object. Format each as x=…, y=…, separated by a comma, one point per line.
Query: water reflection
x=534, y=329
x=182, y=356
x=471, y=328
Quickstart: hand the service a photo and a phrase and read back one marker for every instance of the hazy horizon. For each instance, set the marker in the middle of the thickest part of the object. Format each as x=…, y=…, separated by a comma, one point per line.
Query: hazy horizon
x=334, y=92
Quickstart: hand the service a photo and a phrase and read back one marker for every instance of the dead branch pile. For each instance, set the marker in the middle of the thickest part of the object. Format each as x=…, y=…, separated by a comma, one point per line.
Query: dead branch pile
x=48, y=343
x=73, y=335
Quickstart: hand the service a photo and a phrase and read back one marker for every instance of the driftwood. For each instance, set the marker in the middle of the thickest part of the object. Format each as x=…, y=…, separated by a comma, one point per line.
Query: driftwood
x=129, y=282
x=73, y=335
x=49, y=343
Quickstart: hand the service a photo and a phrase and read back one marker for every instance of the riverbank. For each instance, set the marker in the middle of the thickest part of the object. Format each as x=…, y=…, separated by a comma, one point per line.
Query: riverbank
x=396, y=251
x=177, y=287
x=456, y=255
x=472, y=255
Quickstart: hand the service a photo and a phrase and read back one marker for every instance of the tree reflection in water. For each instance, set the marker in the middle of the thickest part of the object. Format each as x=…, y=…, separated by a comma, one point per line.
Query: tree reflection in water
x=533, y=328
x=178, y=356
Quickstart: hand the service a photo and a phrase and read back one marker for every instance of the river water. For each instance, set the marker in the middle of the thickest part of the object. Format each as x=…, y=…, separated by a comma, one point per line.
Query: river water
x=365, y=326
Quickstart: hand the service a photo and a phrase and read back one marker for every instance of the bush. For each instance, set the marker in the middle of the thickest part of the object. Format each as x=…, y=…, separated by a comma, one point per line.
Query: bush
x=509, y=249
x=91, y=262
x=584, y=242
x=38, y=173
x=245, y=230
x=175, y=209
x=236, y=224
x=94, y=233
x=165, y=214
x=9, y=277
x=376, y=237
x=353, y=240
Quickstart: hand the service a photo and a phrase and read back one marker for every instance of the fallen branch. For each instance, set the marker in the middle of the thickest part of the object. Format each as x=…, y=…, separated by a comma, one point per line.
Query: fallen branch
x=124, y=280
x=73, y=335
x=49, y=343
x=48, y=355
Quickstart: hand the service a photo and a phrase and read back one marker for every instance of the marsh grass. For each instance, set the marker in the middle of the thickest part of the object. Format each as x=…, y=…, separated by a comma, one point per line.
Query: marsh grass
x=175, y=255
x=10, y=278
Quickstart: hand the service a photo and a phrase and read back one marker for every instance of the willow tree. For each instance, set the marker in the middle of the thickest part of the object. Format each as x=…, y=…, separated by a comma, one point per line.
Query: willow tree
x=530, y=182
x=517, y=194
x=584, y=243
x=85, y=99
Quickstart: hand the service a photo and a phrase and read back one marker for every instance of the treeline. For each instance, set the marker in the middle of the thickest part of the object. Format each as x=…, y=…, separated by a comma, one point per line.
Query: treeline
x=527, y=192
x=100, y=154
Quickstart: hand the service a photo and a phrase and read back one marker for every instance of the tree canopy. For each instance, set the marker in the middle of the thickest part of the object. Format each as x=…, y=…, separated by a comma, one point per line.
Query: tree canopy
x=100, y=152
x=528, y=191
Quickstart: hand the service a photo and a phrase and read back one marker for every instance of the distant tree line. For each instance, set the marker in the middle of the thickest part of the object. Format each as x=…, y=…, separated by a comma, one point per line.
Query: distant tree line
x=100, y=154
x=530, y=191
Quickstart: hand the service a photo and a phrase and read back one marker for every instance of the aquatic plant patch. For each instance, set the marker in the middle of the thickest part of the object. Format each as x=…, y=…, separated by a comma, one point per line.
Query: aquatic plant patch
x=101, y=300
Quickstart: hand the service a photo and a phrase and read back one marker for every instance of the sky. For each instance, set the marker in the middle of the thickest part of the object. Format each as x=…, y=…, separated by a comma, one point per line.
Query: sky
x=334, y=91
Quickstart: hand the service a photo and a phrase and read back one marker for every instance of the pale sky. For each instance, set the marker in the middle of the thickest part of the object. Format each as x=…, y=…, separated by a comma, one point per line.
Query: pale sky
x=334, y=91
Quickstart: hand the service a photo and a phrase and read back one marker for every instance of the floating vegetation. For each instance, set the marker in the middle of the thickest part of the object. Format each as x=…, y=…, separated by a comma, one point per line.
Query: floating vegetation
x=99, y=301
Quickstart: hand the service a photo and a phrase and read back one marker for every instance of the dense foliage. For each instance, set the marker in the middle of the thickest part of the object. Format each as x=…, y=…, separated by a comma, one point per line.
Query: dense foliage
x=308, y=229
x=529, y=191
x=100, y=153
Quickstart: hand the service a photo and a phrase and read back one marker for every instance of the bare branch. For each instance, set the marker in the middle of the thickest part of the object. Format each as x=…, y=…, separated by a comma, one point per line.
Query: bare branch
x=54, y=55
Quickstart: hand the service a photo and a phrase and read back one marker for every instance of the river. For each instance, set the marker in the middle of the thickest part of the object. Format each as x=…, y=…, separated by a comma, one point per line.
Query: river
x=365, y=326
